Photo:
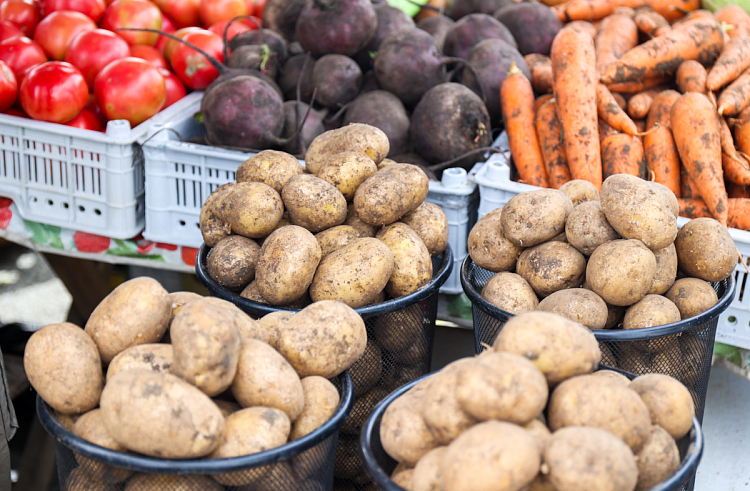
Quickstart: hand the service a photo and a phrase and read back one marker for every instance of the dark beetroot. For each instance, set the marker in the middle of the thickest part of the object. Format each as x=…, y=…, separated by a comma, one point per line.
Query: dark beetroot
x=338, y=79
x=469, y=30
x=292, y=72
x=336, y=26
x=383, y=110
x=437, y=26
x=282, y=15
x=369, y=82
x=462, y=8
x=533, y=25
x=293, y=114
x=390, y=19
x=276, y=43
x=254, y=57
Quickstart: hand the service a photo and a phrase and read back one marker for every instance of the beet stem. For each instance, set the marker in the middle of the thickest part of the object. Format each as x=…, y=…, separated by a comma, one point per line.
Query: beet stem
x=448, y=163
x=216, y=64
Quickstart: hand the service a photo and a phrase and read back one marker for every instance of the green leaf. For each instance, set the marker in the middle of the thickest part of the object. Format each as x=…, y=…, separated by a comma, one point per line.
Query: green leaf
x=407, y=6
x=199, y=117
x=731, y=353
x=459, y=306
x=43, y=234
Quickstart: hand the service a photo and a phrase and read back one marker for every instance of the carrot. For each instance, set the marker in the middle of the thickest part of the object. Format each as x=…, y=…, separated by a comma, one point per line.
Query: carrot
x=659, y=146
x=727, y=143
x=697, y=133
x=742, y=131
x=693, y=208
x=618, y=34
x=640, y=124
x=542, y=100
x=623, y=154
x=691, y=77
x=620, y=100
x=694, y=15
x=549, y=134
x=611, y=112
x=735, y=16
x=696, y=40
x=540, y=67
x=687, y=186
x=574, y=75
x=640, y=103
x=736, y=168
x=517, y=101
x=592, y=9
x=627, y=11
x=739, y=211
x=673, y=10
x=736, y=96
x=638, y=85
x=587, y=27
x=605, y=130
x=733, y=60
x=650, y=22
x=737, y=190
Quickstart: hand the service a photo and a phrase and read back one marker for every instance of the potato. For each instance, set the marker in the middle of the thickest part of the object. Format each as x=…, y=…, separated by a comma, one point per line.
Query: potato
x=178, y=300
x=538, y=429
x=588, y=400
x=510, y=292
x=347, y=464
x=637, y=211
x=173, y=482
x=705, y=250
x=559, y=347
x=366, y=371
x=442, y=414
x=155, y=356
x=313, y=203
x=213, y=226
x=491, y=456
x=136, y=312
x=205, y=346
x=589, y=458
x=668, y=401
x=612, y=376
x=334, y=238
x=308, y=464
x=391, y=193
x=364, y=229
x=416, y=354
x=621, y=271
x=327, y=339
x=347, y=171
x=692, y=296
x=615, y=313
x=552, y=266
x=403, y=431
x=251, y=293
x=489, y=248
x=541, y=482
x=501, y=385
x=269, y=477
x=693, y=367
x=274, y=322
x=404, y=479
x=80, y=480
x=666, y=270
x=63, y=366
x=428, y=473
x=398, y=375
x=265, y=378
x=160, y=415
x=287, y=264
x=667, y=195
x=246, y=325
x=354, y=274
x=430, y=223
x=270, y=167
x=354, y=137
x=90, y=427
x=398, y=330
x=579, y=305
x=252, y=209
x=226, y=407
x=232, y=262
x=533, y=217
x=658, y=460
x=412, y=266
x=587, y=227
x=650, y=311
x=361, y=409
x=321, y=401
x=67, y=420
x=633, y=360
x=580, y=191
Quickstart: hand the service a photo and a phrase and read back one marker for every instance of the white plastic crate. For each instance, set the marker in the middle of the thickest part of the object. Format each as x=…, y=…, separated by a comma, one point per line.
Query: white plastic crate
x=78, y=179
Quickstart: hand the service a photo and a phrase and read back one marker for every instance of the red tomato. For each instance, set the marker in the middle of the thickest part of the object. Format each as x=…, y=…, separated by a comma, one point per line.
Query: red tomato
x=150, y=54
x=195, y=71
x=93, y=107
x=213, y=11
x=54, y=91
x=237, y=27
x=184, y=13
x=55, y=32
x=167, y=25
x=175, y=89
x=86, y=120
x=9, y=31
x=131, y=89
x=8, y=87
x=170, y=44
x=93, y=9
x=21, y=54
x=255, y=7
x=133, y=13
x=14, y=111
x=91, y=51
x=23, y=14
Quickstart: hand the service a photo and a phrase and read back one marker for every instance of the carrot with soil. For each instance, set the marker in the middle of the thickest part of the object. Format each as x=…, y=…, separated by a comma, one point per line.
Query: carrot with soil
x=606, y=130
x=687, y=186
x=736, y=96
x=733, y=60
x=691, y=77
x=735, y=16
x=542, y=100
x=617, y=35
x=650, y=22
x=741, y=127
x=623, y=154
x=541, y=72
x=739, y=211
x=610, y=111
x=636, y=86
x=549, y=134
x=640, y=103
x=737, y=190
x=662, y=157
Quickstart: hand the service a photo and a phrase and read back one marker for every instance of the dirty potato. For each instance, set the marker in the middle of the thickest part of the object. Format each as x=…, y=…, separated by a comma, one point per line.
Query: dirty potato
x=232, y=262
x=270, y=167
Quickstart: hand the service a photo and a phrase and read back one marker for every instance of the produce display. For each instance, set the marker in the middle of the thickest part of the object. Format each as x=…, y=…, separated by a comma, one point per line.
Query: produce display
x=531, y=413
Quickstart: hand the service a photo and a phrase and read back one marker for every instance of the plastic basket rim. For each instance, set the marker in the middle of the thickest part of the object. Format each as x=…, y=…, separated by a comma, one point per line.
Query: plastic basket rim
x=438, y=279
x=614, y=334
x=154, y=465
x=687, y=469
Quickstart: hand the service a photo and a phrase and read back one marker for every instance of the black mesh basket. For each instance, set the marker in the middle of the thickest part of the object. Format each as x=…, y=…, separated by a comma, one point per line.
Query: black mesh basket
x=400, y=335
x=681, y=349
x=305, y=464
x=379, y=465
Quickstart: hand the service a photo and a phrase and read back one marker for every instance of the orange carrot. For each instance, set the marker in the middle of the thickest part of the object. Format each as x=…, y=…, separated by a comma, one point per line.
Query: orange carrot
x=697, y=133
x=640, y=124
x=638, y=85
x=736, y=170
x=549, y=134
x=586, y=26
x=659, y=146
x=739, y=211
x=640, y=103
x=737, y=190
x=517, y=100
x=623, y=154
x=736, y=96
x=618, y=35
x=733, y=60
x=541, y=72
x=661, y=108
x=592, y=9
x=735, y=16
x=650, y=22
x=606, y=130
x=574, y=74
x=691, y=16
x=687, y=186
x=696, y=40
x=619, y=99
x=727, y=143
x=627, y=11
x=542, y=100
x=693, y=208
x=742, y=131
x=691, y=77
x=611, y=112
x=673, y=10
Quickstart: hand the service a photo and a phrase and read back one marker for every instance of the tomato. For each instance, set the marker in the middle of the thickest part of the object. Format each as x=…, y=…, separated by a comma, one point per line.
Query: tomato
x=195, y=71
x=213, y=11
x=93, y=107
x=86, y=120
x=170, y=44
x=93, y=9
x=9, y=31
x=150, y=54
x=175, y=89
x=91, y=51
x=21, y=54
x=55, y=32
x=8, y=87
x=255, y=7
x=133, y=13
x=237, y=27
x=167, y=25
x=131, y=89
x=54, y=91
x=14, y=111
x=23, y=14
x=184, y=13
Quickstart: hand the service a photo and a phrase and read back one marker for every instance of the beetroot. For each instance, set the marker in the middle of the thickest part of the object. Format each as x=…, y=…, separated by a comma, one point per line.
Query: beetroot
x=449, y=121
x=337, y=78
x=369, y=83
x=275, y=42
x=292, y=72
x=293, y=113
x=336, y=26
x=533, y=25
x=282, y=15
x=383, y=110
x=468, y=31
x=437, y=26
x=390, y=19
x=462, y=8
x=255, y=57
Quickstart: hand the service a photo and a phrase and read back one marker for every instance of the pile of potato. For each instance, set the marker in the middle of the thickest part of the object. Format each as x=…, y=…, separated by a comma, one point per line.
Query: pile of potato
x=181, y=376
x=531, y=414
x=351, y=226
x=608, y=260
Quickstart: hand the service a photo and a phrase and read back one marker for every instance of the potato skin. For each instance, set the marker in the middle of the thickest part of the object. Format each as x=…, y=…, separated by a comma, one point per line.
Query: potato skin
x=391, y=193
x=412, y=267
x=587, y=227
x=90, y=427
x=63, y=365
x=705, y=250
x=658, y=460
x=213, y=226
x=346, y=171
x=621, y=271
x=362, y=408
x=430, y=223
x=253, y=209
x=579, y=305
x=321, y=401
x=313, y=203
x=364, y=138
x=510, y=292
x=552, y=266
x=428, y=473
x=442, y=414
x=533, y=217
x=666, y=270
x=173, y=482
x=489, y=248
x=403, y=431
x=160, y=415
x=334, y=238
x=270, y=167
x=579, y=191
x=669, y=402
x=232, y=262
x=178, y=300
x=650, y=311
x=366, y=371
x=692, y=296
x=273, y=323
x=364, y=229
x=155, y=356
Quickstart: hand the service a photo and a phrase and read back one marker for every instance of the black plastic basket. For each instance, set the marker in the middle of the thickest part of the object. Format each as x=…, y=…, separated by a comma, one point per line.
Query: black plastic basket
x=400, y=335
x=379, y=465
x=305, y=464
x=681, y=349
